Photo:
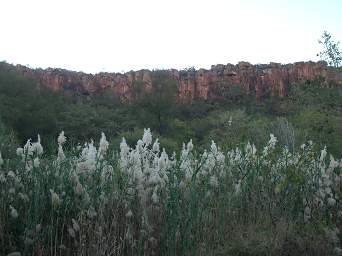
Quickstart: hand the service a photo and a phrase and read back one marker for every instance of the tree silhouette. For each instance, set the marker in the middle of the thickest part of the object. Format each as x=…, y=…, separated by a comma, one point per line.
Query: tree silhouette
x=331, y=52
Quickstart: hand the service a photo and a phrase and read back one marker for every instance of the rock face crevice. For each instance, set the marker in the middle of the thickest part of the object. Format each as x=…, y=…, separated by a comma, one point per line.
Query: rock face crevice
x=271, y=79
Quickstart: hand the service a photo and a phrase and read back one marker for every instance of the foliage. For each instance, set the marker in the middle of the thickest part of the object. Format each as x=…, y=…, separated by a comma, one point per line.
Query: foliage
x=331, y=51
x=309, y=102
x=229, y=94
x=133, y=198
x=27, y=108
x=7, y=141
x=158, y=101
x=83, y=121
x=92, y=200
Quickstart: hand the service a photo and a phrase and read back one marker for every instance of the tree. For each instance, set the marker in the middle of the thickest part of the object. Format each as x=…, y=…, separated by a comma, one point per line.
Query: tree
x=331, y=52
x=26, y=107
x=160, y=100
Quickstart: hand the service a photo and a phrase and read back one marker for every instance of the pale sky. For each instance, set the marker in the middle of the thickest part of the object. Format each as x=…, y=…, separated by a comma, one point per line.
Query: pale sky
x=119, y=36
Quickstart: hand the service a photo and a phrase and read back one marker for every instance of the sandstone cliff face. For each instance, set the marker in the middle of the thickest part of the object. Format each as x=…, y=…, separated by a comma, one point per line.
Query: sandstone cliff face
x=258, y=80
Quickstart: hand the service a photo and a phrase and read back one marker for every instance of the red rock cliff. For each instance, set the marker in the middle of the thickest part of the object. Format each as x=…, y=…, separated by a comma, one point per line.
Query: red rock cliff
x=262, y=79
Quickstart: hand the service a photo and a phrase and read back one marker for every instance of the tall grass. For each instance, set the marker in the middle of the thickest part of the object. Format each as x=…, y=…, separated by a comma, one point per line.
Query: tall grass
x=92, y=200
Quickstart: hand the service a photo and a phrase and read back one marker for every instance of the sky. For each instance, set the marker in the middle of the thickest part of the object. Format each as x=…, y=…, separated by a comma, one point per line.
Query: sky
x=119, y=36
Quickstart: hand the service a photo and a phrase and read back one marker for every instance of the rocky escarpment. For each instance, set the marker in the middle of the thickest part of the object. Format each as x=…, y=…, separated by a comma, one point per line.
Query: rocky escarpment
x=259, y=80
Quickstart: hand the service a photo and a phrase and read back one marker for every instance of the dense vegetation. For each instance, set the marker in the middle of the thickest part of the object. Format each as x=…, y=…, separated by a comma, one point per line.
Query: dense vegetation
x=311, y=111
x=141, y=201
x=262, y=188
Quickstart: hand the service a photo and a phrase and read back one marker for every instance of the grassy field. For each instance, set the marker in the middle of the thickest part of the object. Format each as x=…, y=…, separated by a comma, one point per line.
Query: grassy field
x=92, y=200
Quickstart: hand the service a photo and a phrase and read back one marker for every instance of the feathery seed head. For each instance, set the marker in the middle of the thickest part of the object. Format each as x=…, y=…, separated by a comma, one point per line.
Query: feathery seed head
x=55, y=200
x=13, y=212
x=61, y=139
x=147, y=137
x=104, y=144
